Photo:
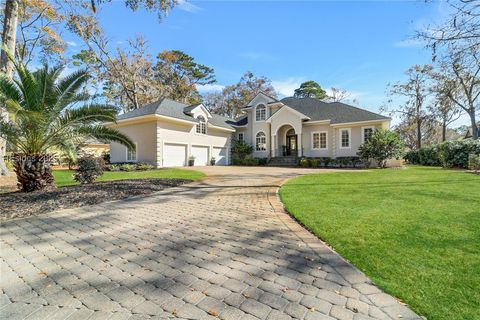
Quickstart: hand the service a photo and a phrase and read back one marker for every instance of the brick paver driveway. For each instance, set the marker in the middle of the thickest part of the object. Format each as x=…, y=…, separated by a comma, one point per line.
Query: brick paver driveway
x=221, y=248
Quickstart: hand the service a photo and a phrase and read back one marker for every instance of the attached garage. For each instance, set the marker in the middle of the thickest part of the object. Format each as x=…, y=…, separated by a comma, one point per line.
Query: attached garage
x=174, y=155
x=201, y=155
x=220, y=155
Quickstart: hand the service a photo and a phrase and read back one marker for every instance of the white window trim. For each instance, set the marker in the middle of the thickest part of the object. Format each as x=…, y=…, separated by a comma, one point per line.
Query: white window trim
x=349, y=138
x=266, y=148
x=363, y=132
x=326, y=140
x=243, y=136
x=136, y=154
x=265, y=107
x=206, y=127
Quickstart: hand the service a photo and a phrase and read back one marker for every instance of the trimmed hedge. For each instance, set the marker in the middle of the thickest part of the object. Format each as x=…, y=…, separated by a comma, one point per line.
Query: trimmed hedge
x=449, y=154
x=326, y=162
x=249, y=161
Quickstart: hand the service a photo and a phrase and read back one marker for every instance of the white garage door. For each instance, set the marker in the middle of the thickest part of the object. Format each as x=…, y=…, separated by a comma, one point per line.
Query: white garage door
x=221, y=156
x=201, y=155
x=174, y=155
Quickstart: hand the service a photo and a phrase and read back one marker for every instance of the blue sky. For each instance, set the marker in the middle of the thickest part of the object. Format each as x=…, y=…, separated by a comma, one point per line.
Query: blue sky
x=358, y=46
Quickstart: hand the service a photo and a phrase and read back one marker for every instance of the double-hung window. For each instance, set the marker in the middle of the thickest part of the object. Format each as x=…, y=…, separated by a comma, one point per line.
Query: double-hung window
x=260, y=112
x=201, y=125
x=319, y=140
x=132, y=154
x=345, y=138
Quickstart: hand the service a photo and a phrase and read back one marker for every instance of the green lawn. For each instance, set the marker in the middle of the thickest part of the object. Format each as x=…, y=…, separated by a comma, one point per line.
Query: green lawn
x=415, y=232
x=64, y=177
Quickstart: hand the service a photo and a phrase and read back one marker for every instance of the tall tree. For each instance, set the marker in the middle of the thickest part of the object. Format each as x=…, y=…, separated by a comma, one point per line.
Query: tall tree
x=442, y=107
x=232, y=98
x=340, y=95
x=461, y=75
x=310, y=89
x=415, y=91
x=9, y=34
x=180, y=74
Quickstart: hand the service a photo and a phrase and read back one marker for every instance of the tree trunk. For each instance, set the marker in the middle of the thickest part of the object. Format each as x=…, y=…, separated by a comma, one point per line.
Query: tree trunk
x=474, y=126
x=419, y=134
x=444, y=131
x=6, y=66
x=34, y=172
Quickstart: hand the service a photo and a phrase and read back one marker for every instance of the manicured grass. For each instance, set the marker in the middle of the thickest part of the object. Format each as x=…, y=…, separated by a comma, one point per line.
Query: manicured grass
x=415, y=232
x=64, y=177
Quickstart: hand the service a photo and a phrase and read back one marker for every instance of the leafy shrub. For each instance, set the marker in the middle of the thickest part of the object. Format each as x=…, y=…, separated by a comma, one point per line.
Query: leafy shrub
x=262, y=161
x=113, y=167
x=106, y=156
x=314, y=163
x=382, y=145
x=127, y=167
x=474, y=162
x=89, y=169
x=241, y=149
x=447, y=154
x=343, y=161
x=142, y=166
x=303, y=163
x=326, y=162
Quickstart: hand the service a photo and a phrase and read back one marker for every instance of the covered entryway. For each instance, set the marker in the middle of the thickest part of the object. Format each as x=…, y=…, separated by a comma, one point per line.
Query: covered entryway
x=287, y=142
x=174, y=155
x=201, y=155
x=220, y=155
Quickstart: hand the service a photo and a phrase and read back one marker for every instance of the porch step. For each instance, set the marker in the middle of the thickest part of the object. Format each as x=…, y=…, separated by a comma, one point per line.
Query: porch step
x=287, y=161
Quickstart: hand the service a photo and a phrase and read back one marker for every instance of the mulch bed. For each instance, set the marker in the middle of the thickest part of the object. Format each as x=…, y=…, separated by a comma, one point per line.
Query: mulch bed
x=20, y=204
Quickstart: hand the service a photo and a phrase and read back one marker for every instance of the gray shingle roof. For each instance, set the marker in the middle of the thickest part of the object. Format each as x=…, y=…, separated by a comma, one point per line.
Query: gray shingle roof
x=173, y=109
x=336, y=112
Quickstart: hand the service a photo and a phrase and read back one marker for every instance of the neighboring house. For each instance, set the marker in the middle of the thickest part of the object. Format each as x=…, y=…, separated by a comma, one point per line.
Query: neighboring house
x=167, y=133
x=94, y=147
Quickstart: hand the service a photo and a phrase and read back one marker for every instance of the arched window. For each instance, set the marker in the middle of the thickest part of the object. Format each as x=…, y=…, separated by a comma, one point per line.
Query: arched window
x=202, y=125
x=261, y=142
x=260, y=112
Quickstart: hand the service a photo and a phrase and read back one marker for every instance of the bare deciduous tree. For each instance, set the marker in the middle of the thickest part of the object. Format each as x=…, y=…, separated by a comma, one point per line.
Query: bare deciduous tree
x=415, y=91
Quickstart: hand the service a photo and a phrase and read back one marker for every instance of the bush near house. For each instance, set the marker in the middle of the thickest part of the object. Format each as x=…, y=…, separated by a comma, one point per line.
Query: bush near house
x=241, y=149
x=250, y=161
x=450, y=154
x=381, y=146
x=128, y=166
x=89, y=169
x=326, y=162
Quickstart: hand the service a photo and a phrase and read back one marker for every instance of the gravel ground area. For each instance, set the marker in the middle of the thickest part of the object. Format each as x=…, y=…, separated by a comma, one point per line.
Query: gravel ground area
x=19, y=204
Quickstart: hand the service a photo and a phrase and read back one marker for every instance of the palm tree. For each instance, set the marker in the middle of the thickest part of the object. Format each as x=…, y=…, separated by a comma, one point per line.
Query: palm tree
x=49, y=111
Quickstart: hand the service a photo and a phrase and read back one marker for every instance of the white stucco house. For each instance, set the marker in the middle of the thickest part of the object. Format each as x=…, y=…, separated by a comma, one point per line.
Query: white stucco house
x=167, y=133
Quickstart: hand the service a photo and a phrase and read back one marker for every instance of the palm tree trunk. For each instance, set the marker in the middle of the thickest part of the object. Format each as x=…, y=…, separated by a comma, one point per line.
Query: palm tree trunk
x=9, y=34
x=34, y=172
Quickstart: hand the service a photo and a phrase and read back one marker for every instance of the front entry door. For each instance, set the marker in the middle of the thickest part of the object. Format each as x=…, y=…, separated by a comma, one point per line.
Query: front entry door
x=291, y=145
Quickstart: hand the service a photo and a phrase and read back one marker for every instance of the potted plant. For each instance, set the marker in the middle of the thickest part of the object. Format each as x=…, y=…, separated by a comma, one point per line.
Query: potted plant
x=191, y=161
x=212, y=161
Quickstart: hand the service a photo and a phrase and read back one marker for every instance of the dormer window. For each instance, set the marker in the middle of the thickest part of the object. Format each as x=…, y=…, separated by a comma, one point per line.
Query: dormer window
x=260, y=112
x=201, y=125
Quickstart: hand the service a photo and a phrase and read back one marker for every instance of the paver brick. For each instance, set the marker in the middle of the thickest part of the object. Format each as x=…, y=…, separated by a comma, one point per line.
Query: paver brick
x=199, y=251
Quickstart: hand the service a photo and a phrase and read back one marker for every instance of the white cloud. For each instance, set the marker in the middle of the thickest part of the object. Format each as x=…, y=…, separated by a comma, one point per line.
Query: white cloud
x=287, y=87
x=188, y=6
x=71, y=43
x=210, y=87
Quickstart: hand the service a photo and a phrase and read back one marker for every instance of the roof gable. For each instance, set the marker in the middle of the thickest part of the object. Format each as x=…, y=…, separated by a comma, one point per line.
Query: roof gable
x=261, y=97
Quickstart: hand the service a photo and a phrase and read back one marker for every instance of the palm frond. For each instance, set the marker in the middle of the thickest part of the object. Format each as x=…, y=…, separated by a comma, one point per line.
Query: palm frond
x=87, y=114
x=8, y=89
x=107, y=134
